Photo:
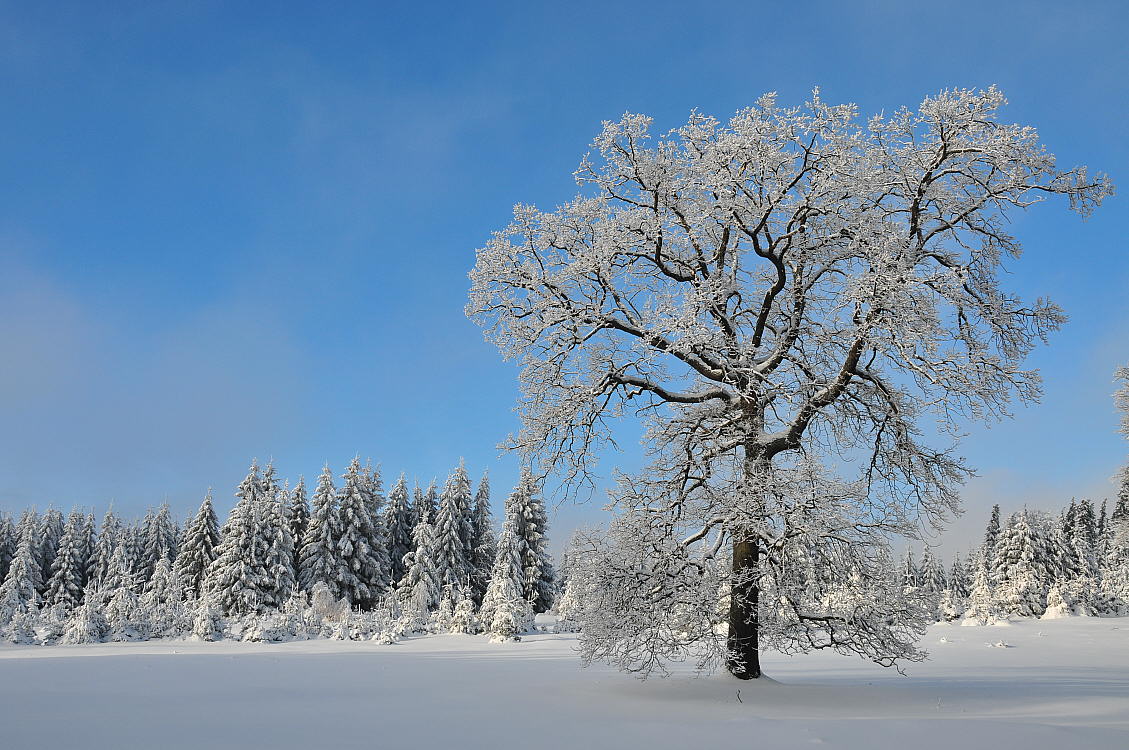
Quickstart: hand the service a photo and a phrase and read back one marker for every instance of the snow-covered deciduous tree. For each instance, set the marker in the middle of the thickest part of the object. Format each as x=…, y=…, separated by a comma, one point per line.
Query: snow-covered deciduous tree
x=791, y=294
x=319, y=561
x=198, y=549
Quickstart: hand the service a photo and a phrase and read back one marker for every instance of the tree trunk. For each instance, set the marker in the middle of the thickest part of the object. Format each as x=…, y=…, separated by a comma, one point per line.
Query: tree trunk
x=744, y=624
x=744, y=596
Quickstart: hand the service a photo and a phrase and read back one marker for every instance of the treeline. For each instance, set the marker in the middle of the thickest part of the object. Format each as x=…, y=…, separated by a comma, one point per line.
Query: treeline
x=1033, y=564
x=350, y=562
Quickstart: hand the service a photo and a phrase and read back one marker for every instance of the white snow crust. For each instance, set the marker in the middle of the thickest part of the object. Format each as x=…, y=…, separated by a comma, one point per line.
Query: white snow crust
x=1061, y=683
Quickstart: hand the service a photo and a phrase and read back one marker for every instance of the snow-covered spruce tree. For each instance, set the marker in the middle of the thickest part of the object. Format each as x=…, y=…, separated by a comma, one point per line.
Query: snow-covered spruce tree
x=1024, y=566
x=119, y=573
x=50, y=534
x=362, y=581
x=198, y=549
x=505, y=611
x=430, y=503
x=89, y=544
x=108, y=537
x=277, y=549
x=452, y=553
x=8, y=542
x=298, y=517
x=1115, y=555
x=65, y=585
x=485, y=545
x=531, y=524
x=932, y=575
x=234, y=579
x=991, y=538
x=158, y=539
x=982, y=608
x=376, y=500
x=398, y=523
x=319, y=561
x=910, y=573
x=776, y=296
x=19, y=593
x=419, y=589
x=958, y=578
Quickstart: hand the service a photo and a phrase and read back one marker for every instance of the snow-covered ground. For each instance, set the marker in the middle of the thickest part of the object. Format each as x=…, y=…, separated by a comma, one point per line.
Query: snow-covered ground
x=1057, y=684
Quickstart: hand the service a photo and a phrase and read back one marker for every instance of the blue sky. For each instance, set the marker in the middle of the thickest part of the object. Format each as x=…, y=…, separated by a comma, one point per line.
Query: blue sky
x=228, y=232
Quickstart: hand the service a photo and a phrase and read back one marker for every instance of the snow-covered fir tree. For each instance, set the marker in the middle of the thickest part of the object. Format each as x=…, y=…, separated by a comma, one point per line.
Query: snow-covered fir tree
x=506, y=611
x=376, y=500
x=298, y=517
x=982, y=608
x=931, y=576
x=319, y=560
x=1024, y=566
x=159, y=540
x=452, y=554
x=50, y=534
x=8, y=542
x=198, y=548
x=19, y=593
x=66, y=582
x=276, y=547
x=419, y=589
x=531, y=526
x=398, y=523
x=109, y=536
x=362, y=579
x=234, y=577
x=484, y=546
x=911, y=574
x=959, y=580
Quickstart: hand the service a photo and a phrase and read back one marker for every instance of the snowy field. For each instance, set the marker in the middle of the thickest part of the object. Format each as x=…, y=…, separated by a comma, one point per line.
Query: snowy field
x=1059, y=684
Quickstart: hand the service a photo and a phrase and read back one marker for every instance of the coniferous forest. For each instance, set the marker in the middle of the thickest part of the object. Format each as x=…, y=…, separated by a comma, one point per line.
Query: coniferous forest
x=351, y=560
x=342, y=559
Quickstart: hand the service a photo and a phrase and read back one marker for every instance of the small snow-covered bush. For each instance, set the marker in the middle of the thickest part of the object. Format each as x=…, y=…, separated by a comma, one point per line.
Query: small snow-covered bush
x=87, y=624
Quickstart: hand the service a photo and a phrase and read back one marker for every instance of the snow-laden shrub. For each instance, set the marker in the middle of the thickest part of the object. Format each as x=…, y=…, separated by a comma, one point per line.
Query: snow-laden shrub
x=464, y=619
x=268, y=628
x=326, y=606
x=52, y=624
x=208, y=623
x=87, y=624
x=951, y=606
x=20, y=629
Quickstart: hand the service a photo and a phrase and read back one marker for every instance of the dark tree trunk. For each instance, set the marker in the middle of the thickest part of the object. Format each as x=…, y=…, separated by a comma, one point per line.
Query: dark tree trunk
x=744, y=624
